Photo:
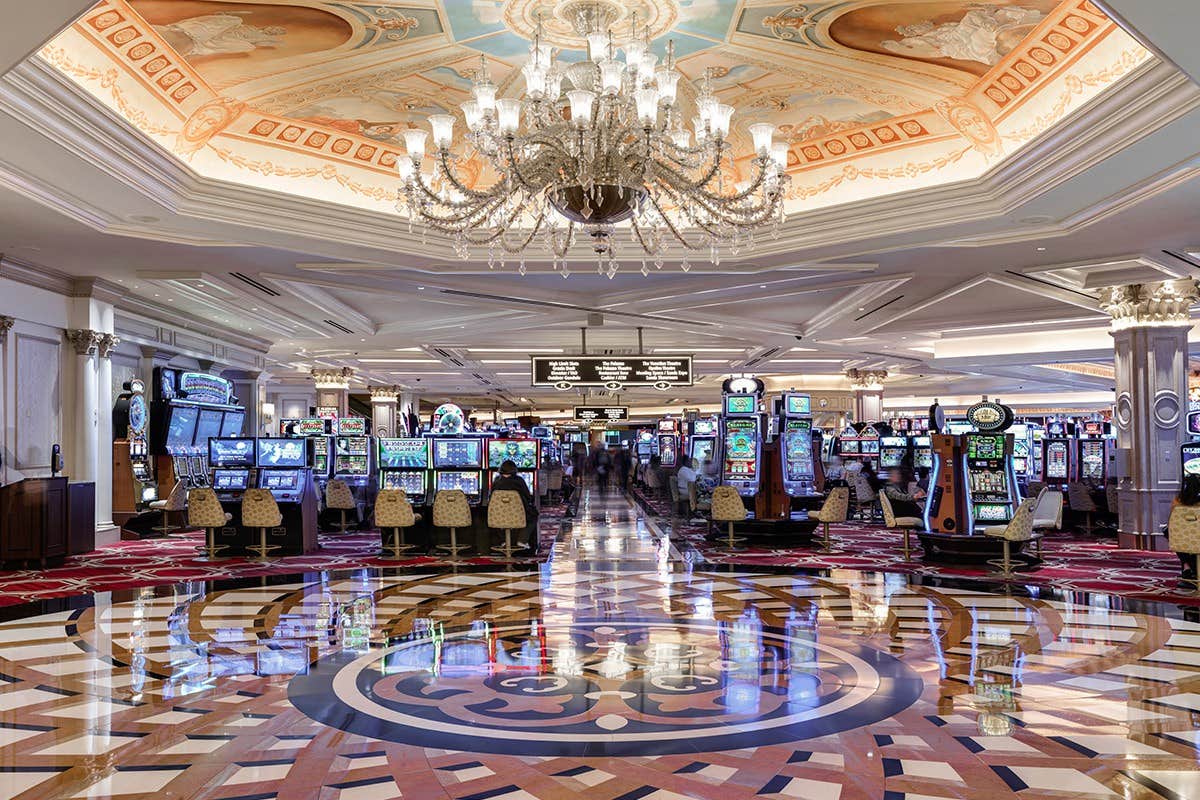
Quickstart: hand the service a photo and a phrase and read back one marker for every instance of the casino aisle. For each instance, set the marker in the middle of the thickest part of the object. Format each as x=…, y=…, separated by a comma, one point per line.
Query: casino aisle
x=615, y=671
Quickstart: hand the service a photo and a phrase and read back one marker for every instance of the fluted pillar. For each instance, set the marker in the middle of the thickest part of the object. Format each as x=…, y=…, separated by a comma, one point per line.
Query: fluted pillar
x=867, y=385
x=105, y=344
x=85, y=444
x=385, y=411
x=333, y=388
x=1150, y=324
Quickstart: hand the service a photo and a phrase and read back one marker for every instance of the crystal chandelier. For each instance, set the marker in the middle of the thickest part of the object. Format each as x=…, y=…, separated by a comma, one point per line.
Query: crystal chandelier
x=612, y=148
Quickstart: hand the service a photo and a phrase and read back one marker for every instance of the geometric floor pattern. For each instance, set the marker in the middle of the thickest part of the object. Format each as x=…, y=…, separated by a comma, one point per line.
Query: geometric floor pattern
x=682, y=682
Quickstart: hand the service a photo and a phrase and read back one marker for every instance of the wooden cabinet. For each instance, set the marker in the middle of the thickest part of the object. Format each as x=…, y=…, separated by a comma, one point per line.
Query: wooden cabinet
x=34, y=519
x=81, y=518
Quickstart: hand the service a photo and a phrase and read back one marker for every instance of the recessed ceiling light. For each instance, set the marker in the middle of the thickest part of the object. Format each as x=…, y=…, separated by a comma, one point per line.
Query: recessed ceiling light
x=1041, y=249
x=420, y=288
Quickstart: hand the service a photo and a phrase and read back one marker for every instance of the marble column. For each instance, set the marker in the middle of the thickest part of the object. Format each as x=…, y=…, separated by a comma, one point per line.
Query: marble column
x=384, y=410
x=867, y=385
x=105, y=344
x=1150, y=324
x=85, y=443
x=333, y=388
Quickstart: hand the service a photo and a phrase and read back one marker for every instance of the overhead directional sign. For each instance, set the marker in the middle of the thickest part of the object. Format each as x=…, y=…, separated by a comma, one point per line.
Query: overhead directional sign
x=611, y=372
x=601, y=413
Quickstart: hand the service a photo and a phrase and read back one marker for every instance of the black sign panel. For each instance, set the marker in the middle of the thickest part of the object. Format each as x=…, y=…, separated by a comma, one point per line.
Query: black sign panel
x=601, y=413
x=612, y=372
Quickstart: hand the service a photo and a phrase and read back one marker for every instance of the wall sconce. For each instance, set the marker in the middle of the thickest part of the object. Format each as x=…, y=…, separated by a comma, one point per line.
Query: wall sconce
x=267, y=415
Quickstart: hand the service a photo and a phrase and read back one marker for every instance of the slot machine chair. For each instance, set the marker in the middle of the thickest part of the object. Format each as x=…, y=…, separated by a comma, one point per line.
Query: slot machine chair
x=1018, y=529
x=204, y=511
x=176, y=502
x=555, y=483
x=864, y=495
x=452, y=510
x=339, y=497
x=904, y=524
x=727, y=507
x=836, y=508
x=506, y=512
x=1047, y=514
x=1183, y=536
x=1079, y=497
x=392, y=510
x=259, y=510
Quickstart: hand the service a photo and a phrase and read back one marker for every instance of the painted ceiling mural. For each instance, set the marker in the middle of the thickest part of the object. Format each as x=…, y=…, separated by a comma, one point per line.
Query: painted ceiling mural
x=873, y=96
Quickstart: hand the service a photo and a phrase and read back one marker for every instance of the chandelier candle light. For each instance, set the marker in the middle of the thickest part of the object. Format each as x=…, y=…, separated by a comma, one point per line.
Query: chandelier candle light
x=611, y=148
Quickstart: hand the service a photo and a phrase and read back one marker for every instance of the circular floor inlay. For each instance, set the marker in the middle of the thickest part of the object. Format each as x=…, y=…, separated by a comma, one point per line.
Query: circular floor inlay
x=607, y=688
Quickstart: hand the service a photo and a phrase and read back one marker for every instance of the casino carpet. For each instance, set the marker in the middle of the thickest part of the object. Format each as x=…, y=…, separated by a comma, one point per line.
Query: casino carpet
x=1072, y=562
x=149, y=562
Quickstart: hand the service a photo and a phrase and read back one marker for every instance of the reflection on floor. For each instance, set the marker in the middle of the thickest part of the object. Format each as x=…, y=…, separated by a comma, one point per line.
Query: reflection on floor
x=615, y=670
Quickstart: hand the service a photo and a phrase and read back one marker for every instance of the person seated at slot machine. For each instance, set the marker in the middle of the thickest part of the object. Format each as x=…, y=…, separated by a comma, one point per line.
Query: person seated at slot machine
x=834, y=471
x=1189, y=496
x=685, y=475
x=509, y=480
x=872, y=477
x=905, y=499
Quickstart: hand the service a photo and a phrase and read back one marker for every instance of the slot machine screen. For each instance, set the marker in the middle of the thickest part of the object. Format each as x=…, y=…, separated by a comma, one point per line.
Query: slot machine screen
x=181, y=430
x=522, y=452
x=740, y=404
x=351, y=465
x=231, y=480
x=279, y=479
x=1193, y=423
x=280, y=453
x=741, y=449
x=986, y=512
x=231, y=452
x=232, y=424
x=985, y=448
x=797, y=447
x=666, y=450
x=1056, y=460
x=449, y=453
x=1091, y=460
x=1093, y=428
x=309, y=426
x=208, y=425
x=403, y=453
x=413, y=483
x=704, y=427
x=467, y=481
x=1191, y=459
x=848, y=445
x=702, y=449
x=869, y=446
x=321, y=462
x=352, y=445
x=799, y=404
x=351, y=426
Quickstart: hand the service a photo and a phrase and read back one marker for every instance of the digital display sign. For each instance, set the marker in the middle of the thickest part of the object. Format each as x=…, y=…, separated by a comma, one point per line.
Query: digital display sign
x=457, y=453
x=798, y=404
x=309, y=426
x=612, y=372
x=281, y=453
x=403, y=453
x=231, y=452
x=740, y=404
x=352, y=426
x=601, y=413
x=797, y=450
x=522, y=452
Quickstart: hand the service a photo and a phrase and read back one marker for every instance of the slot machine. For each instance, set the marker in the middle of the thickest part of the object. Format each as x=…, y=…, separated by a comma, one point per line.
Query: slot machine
x=1189, y=458
x=1036, y=435
x=990, y=481
x=458, y=464
x=741, y=434
x=188, y=409
x=1058, y=456
x=1092, y=454
x=702, y=442
x=1022, y=460
x=133, y=471
x=945, y=501
x=892, y=451
x=868, y=443
x=404, y=464
x=646, y=444
x=796, y=445
x=847, y=444
x=282, y=466
x=668, y=441
x=525, y=453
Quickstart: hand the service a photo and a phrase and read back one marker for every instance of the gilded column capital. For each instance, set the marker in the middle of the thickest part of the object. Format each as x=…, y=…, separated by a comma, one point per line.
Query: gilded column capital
x=106, y=343
x=332, y=378
x=867, y=380
x=85, y=341
x=384, y=394
x=6, y=324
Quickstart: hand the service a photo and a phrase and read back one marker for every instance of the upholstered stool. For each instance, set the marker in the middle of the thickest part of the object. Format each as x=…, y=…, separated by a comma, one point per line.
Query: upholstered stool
x=1079, y=498
x=452, y=510
x=727, y=507
x=392, y=510
x=1183, y=536
x=506, y=512
x=835, y=509
x=176, y=501
x=1019, y=529
x=339, y=497
x=204, y=511
x=259, y=510
x=904, y=524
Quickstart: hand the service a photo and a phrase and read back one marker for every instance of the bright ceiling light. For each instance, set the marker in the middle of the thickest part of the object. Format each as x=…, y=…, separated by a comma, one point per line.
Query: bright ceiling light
x=399, y=361
x=514, y=350
x=502, y=361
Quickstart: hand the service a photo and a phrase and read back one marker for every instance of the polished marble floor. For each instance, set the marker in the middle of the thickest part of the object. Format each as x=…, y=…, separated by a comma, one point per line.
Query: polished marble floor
x=615, y=671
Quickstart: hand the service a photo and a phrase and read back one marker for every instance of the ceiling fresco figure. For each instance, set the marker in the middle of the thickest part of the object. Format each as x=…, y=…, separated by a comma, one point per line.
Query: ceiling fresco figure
x=984, y=34
x=218, y=34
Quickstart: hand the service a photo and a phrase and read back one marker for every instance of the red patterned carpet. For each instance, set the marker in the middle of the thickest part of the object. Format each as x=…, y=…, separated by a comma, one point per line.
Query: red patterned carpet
x=149, y=562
